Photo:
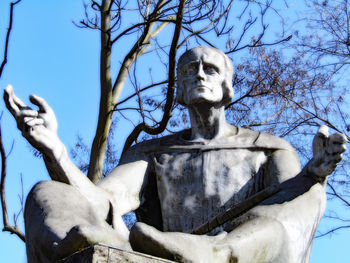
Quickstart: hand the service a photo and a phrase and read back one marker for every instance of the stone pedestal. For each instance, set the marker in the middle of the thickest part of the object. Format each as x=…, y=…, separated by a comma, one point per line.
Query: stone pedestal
x=105, y=254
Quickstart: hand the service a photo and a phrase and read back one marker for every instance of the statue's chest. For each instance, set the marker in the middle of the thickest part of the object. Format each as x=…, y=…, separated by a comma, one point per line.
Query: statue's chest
x=195, y=186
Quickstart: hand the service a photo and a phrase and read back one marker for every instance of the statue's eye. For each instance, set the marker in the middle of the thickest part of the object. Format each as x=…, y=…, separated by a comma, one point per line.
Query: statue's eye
x=191, y=69
x=209, y=69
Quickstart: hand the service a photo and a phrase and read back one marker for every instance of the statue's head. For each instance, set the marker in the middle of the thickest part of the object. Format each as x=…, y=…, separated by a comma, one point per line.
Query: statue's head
x=204, y=74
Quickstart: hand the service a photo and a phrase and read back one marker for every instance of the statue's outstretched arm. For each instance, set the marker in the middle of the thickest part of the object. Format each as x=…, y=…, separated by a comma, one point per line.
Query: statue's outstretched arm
x=39, y=127
x=120, y=189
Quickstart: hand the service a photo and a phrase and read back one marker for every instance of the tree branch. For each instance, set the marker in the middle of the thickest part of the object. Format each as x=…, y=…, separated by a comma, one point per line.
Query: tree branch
x=331, y=231
x=171, y=86
x=141, y=90
x=135, y=52
x=7, y=227
x=337, y=195
x=256, y=44
x=4, y=61
x=315, y=115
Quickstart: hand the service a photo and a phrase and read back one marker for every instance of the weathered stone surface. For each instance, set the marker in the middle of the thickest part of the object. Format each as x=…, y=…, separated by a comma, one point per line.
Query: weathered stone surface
x=106, y=254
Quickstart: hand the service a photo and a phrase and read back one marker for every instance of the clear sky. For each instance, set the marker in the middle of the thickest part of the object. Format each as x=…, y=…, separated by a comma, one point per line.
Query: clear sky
x=52, y=58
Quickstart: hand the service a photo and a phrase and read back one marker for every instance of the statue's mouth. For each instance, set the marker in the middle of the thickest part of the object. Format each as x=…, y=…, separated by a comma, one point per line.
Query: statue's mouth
x=201, y=86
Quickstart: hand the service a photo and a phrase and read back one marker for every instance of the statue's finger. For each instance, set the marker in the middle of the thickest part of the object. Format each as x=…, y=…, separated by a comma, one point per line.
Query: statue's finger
x=320, y=140
x=29, y=113
x=335, y=158
x=8, y=98
x=34, y=122
x=323, y=130
x=330, y=167
x=338, y=158
x=41, y=103
x=336, y=148
x=13, y=103
x=20, y=104
x=337, y=138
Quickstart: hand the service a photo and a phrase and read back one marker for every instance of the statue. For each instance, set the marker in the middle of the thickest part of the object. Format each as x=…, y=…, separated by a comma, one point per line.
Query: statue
x=179, y=182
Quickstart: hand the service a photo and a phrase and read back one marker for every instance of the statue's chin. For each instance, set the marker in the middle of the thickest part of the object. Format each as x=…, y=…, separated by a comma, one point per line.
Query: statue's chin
x=202, y=98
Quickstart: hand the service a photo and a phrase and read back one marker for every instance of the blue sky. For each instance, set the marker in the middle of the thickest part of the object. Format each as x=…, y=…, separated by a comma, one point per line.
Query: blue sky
x=54, y=59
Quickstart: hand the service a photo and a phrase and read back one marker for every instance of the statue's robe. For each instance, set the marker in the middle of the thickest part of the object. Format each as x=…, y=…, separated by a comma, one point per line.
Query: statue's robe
x=189, y=183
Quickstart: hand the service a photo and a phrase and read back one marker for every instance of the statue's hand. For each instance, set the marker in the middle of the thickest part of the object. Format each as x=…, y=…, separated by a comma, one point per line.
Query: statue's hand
x=39, y=127
x=327, y=150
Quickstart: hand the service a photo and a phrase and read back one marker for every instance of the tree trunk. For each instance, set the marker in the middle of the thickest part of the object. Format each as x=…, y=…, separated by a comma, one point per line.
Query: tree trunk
x=105, y=113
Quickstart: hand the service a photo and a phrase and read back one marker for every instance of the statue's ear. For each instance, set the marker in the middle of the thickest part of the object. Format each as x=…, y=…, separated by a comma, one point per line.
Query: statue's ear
x=228, y=92
x=179, y=92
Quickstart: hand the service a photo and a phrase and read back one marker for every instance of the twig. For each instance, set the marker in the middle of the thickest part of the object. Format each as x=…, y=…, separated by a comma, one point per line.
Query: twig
x=7, y=227
x=337, y=195
x=141, y=90
x=331, y=231
x=4, y=61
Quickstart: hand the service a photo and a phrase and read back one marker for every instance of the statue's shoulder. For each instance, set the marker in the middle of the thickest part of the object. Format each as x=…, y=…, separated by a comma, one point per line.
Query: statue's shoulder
x=168, y=140
x=263, y=140
x=144, y=148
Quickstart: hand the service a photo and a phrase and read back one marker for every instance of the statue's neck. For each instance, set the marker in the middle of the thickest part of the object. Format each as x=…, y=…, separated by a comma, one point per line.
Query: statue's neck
x=208, y=122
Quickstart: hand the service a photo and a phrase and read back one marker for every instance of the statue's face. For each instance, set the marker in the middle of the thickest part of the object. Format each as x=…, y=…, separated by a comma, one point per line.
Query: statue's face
x=202, y=77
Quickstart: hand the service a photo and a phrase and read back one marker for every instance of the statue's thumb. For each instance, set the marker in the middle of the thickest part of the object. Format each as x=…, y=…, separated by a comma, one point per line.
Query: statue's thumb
x=320, y=140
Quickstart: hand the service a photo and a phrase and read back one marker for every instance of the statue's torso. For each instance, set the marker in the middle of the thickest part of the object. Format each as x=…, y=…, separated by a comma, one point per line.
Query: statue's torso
x=193, y=187
x=189, y=183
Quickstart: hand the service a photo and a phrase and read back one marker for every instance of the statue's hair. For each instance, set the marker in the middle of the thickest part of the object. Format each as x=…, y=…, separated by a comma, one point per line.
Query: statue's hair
x=226, y=85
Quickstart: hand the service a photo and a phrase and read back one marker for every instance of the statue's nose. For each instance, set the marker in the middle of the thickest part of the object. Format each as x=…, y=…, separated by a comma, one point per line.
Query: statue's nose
x=200, y=73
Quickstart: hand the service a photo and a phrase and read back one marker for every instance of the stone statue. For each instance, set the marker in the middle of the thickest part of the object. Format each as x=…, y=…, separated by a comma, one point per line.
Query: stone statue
x=181, y=181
